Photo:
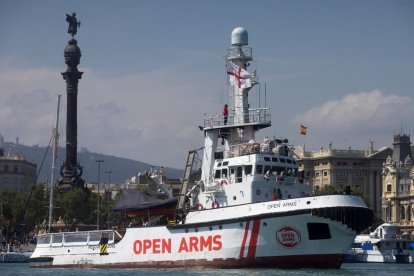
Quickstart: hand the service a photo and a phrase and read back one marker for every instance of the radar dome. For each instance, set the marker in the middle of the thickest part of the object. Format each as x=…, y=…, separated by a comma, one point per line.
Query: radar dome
x=239, y=37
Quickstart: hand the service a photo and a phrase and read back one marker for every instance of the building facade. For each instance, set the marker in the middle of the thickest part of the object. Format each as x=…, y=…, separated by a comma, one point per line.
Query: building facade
x=398, y=179
x=359, y=170
x=16, y=174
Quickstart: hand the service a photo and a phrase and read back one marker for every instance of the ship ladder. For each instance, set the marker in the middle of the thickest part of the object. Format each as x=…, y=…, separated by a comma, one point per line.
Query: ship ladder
x=186, y=179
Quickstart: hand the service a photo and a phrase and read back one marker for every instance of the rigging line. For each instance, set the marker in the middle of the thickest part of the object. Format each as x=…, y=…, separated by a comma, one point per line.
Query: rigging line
x=23, y=212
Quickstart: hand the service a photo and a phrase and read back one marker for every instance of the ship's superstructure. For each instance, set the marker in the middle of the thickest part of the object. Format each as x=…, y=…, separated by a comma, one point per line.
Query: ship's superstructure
x=237, y=169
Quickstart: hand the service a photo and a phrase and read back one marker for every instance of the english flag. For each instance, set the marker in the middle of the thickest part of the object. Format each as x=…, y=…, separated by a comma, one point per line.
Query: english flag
x=303, y=129
x=239, y=76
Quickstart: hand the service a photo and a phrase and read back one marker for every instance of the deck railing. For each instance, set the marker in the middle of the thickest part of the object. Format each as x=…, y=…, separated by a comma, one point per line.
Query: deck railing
x=75, y=238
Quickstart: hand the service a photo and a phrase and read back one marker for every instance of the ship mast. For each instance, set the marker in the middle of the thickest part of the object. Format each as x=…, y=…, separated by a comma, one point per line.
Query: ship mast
x=243, y=121
x=54, y=153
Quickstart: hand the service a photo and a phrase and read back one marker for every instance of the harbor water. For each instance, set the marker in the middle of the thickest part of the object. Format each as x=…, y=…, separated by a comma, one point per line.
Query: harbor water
x=372, y=269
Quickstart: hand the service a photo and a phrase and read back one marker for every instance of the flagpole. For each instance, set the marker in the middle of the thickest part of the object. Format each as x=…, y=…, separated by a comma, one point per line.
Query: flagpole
x=55, y=144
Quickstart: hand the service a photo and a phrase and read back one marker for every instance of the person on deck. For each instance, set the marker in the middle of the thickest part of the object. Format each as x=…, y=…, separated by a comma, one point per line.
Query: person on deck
x=225, y=114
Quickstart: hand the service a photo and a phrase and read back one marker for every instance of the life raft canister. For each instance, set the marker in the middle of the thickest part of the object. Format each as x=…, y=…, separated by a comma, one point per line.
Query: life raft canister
x=200, y=206
x=223, y=183
x=214, y=204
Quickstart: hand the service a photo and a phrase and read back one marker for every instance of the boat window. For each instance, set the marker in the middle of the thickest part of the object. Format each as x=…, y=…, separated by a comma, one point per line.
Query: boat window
x=231, y=170
x=224, y=173
x=283, y=160
x=289, y=161
x=294, y=162
x=44, y=239
x=274, y=159
x=266, y=158
x=217, y=174
x=57, y=239
x=267, y=169
x=95, y=237
x=225, y=163
x=239, y=174
x=259, y=169
x=219, y=164
x=77, y=238
x=318, y=231
x=248, y=169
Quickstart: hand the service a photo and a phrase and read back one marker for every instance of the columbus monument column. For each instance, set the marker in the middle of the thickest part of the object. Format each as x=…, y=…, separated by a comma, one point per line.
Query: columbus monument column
x=71, y=170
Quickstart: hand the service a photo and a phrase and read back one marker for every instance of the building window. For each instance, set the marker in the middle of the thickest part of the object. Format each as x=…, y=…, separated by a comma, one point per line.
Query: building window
x=388, y=188
x=358, y=173
x=325, y=173
x=341, y=173
x=402, y=212
x=316, y=174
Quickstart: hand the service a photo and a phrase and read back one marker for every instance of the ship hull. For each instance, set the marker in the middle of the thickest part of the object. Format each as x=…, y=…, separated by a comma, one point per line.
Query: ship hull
x=228, y=237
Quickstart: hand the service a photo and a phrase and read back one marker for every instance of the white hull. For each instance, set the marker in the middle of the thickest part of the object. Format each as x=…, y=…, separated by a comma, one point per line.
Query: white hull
x=266, y=234
x=383, y=256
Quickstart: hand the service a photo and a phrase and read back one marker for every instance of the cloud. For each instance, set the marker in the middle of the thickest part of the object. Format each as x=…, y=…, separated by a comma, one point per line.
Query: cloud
x=143, y=116
x=356, y=118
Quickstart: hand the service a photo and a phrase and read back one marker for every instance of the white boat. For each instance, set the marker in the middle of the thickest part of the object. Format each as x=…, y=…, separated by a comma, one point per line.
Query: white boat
x=384, y=245
x=249, y=208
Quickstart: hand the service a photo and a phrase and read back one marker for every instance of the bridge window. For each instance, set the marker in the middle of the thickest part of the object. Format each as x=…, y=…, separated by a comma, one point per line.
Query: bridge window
x=267, y=159
x=283, y=160
x=239, y=174
x=274, y=159
x=248, y=169
x=217, y=174
x=224, y=173
x=259, y=169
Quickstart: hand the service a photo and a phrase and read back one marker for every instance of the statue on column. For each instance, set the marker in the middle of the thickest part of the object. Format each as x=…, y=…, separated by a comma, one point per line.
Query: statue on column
x=73, y=24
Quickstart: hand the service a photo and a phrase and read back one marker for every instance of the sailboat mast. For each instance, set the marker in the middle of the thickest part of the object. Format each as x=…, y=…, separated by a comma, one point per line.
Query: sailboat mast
x=55, y=145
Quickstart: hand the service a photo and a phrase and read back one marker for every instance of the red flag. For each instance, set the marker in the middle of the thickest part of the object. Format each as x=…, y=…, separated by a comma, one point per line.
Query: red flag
x=303, y=129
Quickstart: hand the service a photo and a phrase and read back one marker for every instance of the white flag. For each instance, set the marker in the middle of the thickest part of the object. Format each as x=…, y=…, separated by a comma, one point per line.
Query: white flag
x=239, y=77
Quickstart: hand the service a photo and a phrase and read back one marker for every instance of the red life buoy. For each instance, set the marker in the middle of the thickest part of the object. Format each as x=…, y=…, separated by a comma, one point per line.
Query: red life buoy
x=223, y=182
x=200, y=206
x=214, y=204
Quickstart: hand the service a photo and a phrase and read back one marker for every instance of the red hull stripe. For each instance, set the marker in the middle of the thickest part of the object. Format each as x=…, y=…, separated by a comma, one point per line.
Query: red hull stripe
x=292, y=261
x=246, y=231
x=253, y=239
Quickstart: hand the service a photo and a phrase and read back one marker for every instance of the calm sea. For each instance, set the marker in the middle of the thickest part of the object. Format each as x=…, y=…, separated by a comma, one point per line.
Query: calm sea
x=346, y=269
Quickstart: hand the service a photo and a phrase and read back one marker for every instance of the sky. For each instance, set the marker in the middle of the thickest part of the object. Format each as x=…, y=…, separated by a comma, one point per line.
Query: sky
x=154, y=69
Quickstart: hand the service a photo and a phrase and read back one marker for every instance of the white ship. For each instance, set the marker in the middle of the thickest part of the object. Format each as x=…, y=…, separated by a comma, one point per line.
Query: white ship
x=249, y=209
x=384, y=245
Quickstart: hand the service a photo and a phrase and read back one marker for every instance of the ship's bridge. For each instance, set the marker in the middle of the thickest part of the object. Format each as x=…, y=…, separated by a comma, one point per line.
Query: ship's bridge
x=257, y=117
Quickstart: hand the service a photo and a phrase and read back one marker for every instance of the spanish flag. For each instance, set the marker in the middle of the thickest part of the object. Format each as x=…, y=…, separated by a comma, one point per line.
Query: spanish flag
x=303, y=129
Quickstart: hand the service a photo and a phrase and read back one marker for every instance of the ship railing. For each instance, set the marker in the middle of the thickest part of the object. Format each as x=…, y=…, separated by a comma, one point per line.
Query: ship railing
x=75, y=238
x=244, y=52
x=254, y=116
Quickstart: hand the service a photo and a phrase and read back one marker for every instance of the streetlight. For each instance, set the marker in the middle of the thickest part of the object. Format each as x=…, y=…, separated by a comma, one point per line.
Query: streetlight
x=109, y=193
x=99, y=176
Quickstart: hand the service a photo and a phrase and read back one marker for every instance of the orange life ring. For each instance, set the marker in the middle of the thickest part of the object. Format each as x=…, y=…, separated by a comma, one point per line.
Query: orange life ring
x=214, y=204
x=223, y=182
x=200, y=206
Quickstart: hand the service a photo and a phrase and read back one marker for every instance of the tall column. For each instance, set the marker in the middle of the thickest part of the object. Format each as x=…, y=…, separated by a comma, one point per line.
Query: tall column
x=71, y=171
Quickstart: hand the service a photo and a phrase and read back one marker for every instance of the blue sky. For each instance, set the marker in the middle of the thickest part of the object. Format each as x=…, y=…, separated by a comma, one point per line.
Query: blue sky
x=153, y=68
